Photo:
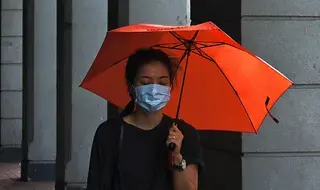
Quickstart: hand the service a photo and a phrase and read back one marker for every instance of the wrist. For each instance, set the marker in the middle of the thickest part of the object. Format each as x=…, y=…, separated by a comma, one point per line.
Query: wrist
x=177, y=159
x=179, y=163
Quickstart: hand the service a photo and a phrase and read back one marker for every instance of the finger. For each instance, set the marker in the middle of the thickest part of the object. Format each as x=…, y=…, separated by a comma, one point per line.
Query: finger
x=174, y=133
x=172, y=129
x=175, y=127
x=175, y=136
x=172, y=137
x=177, y=133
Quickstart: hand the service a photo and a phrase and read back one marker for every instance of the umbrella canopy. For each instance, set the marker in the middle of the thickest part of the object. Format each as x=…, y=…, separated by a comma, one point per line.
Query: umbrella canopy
x=220, y=86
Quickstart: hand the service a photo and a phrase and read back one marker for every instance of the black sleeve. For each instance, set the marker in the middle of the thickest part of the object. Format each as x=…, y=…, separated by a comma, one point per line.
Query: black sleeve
x=102, y=158
x=191, y=148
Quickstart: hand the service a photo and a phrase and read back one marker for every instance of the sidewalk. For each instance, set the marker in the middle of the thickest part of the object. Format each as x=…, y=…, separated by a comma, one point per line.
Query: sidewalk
x=9, y=176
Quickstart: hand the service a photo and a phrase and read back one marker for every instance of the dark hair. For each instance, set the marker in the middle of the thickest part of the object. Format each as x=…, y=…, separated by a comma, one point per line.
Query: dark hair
x=140, y=58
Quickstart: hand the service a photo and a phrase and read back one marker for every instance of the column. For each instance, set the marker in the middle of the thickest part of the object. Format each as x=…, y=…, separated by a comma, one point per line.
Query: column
x=285, y=156
x=87, y=31
x=157, y=12
x=40, y=96
x=11, y=81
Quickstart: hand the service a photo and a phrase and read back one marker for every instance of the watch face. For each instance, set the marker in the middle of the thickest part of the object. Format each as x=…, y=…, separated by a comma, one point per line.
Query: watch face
x=183, y=164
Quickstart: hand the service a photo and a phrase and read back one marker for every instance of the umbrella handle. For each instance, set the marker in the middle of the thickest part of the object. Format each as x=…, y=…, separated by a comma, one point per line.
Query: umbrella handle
x=171, y=146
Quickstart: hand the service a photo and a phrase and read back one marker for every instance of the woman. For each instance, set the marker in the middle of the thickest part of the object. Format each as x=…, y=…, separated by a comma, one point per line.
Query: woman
x=130, y=153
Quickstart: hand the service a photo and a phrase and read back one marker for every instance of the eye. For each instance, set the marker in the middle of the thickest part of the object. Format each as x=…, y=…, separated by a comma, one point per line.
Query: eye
x=145, y=83
x=164, y=84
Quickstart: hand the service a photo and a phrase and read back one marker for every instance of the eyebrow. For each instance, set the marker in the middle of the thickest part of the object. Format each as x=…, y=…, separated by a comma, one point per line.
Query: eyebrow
x=162, y=77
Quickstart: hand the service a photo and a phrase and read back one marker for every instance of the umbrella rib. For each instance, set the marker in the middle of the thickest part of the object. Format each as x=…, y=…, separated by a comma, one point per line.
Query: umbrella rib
x=225, y=76
x=212, y=44
x=223, y=43
x=186, y=53
x=173, y=47
x=218, y=44
x=211, y=59
x=178, y=37
x=242, y=50
x=163, y=47
x=117, y=62
x=157, y=45
x=200, y=53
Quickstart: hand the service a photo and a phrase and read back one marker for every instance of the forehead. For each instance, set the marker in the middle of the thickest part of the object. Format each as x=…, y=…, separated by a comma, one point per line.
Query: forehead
x=153, y=68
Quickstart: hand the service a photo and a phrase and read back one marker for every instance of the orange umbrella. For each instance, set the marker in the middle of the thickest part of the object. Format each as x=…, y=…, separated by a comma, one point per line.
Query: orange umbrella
x=222, y=86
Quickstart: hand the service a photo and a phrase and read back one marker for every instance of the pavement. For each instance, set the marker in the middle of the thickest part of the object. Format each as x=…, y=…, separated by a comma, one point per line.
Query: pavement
x=9, y=179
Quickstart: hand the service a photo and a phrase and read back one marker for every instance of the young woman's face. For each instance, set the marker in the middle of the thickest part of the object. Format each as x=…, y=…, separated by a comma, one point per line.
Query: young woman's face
x=153, y=72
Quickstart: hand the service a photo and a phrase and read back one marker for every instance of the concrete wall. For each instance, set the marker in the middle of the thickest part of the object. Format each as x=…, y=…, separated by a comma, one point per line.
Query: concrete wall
x=89, y=26
x=287, y=35
x=11, y=73
x=165, y=12
x=44, y=145
x=42, y=149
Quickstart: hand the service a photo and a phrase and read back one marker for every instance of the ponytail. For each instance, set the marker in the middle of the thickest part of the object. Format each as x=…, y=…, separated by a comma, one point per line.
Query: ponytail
x=128, y=109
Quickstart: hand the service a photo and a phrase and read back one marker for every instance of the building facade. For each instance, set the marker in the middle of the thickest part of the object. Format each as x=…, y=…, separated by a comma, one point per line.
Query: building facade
x=47, y=120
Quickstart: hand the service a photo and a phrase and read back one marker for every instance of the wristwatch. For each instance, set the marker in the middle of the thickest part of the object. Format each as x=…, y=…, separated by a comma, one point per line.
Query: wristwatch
x=182, y=166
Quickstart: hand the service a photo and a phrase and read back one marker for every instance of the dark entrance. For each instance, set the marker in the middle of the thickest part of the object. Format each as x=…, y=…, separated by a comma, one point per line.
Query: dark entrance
x=222, y=150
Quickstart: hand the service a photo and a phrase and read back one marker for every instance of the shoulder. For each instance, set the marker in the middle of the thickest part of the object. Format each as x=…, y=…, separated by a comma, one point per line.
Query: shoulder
x=109, y=127
x=187, y=129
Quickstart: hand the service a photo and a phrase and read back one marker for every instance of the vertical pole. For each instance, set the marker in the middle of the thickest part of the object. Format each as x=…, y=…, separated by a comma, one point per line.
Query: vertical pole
x=64, y=87
x=0, y=69
x=28, y=84
x=60, y=163
x=118, y=16
x=113, y=23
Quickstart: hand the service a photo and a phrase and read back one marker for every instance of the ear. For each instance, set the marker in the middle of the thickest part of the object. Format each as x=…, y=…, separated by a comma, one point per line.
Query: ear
x=171, y=87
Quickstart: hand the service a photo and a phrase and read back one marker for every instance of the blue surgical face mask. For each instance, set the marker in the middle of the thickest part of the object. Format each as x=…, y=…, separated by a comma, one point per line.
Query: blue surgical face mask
x=152, y=97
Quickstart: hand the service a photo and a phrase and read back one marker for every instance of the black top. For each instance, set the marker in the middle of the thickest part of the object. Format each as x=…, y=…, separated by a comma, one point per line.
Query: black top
x=143, y=159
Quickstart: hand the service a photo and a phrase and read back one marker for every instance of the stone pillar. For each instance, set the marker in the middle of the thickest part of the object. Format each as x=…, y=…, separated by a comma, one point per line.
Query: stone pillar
x=88, y=29
x=42, y=134
x=11, y=81
x=285, y=156
x=158, y=12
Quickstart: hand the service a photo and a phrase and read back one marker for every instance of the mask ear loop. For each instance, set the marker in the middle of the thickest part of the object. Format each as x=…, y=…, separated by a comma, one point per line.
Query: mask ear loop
x=132, y=92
